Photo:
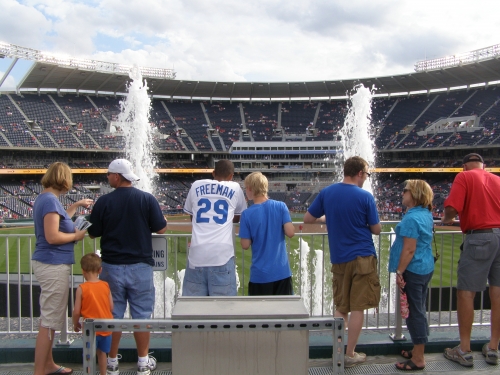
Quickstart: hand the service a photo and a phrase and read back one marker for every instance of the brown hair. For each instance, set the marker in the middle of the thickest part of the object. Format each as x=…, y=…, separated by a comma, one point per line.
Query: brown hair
x=421, y=193
x=58, y=177
x=91, y=263
x=354, y=165
x=257, y=183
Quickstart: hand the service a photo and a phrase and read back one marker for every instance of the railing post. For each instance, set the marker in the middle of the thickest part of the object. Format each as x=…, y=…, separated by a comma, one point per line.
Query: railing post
x=398, y=335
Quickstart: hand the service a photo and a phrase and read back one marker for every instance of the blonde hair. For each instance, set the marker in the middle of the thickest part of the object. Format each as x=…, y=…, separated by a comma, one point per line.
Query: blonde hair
x=91, y=263
x=58, y=176
x=421, y=193
x=257, y=183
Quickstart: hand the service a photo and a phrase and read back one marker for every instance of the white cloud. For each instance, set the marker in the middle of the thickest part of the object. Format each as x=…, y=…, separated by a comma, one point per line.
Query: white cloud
x=9, y=84
x=260, y=40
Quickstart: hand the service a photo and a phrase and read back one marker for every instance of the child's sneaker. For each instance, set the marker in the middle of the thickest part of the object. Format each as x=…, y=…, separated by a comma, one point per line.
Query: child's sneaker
x=145, y=368
x=112, y=367
x=354, y=360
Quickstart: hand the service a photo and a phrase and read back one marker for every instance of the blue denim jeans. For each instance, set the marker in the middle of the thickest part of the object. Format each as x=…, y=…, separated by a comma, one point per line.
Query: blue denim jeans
x=210, y=281
x=416, y=292
x=132, y=283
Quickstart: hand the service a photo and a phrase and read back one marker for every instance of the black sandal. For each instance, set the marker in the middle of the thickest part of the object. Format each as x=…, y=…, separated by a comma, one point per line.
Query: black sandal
x=408, y=354
x=408, y=366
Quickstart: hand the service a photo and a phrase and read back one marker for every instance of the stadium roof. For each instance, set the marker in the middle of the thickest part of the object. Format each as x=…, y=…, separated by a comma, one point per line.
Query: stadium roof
x=49, y=74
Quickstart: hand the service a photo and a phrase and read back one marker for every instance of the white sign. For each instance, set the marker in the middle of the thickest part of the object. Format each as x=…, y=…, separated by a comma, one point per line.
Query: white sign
x=160, y=253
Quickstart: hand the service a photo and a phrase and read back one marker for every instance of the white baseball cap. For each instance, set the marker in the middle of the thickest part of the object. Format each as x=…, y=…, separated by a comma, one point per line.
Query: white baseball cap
x=123, y=167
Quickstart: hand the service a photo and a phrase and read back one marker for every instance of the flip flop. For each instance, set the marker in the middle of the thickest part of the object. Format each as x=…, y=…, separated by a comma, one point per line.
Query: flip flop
x=60, y=371
x=408, y=366
x=407, y=354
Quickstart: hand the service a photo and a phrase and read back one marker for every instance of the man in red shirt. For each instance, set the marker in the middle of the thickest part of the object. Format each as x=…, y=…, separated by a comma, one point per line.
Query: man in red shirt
x=475, y=197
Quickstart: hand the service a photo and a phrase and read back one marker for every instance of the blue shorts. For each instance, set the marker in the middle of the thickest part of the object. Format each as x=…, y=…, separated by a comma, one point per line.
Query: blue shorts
x=132, y=283
x=103, y=343
x=210, y=281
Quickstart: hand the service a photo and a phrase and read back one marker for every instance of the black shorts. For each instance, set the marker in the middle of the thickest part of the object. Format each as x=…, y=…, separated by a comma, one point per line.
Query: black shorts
x=275, y=288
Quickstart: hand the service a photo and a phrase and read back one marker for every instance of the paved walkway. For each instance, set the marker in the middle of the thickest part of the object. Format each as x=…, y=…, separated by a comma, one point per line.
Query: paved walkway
x=436, y=364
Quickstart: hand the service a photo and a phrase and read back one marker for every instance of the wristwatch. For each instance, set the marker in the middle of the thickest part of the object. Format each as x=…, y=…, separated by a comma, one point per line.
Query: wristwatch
x=398, y=272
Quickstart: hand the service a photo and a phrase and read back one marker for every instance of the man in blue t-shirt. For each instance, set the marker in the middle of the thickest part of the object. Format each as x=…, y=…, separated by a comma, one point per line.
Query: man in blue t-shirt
x=125, y=220
x=351, y=218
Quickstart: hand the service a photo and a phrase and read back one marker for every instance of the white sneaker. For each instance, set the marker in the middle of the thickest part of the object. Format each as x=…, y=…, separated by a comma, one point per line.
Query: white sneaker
x=146, y=368
x=112, y=368
x=354, y=360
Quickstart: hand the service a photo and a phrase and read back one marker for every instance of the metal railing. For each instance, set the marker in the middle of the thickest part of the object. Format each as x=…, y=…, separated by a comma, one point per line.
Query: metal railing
x=309, y=260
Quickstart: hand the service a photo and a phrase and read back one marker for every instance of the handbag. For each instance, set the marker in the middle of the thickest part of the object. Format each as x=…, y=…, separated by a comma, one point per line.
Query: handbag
x=403, y=305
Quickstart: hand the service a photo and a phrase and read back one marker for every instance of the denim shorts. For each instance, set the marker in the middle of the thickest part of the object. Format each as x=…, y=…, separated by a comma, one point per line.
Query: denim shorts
x=210, y=281
x=103, y=343
x=479, y=261
x=416, y=289
x=132, y=283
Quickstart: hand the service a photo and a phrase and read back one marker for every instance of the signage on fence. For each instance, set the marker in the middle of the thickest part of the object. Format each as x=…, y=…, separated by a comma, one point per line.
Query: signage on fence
x=160, y=253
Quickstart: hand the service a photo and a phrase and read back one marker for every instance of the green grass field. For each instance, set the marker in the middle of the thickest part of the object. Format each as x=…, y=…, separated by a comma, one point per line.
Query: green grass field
x=23, y=239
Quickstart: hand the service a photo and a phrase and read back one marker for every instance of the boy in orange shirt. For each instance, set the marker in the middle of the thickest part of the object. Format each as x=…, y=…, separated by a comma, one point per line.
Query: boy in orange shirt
x=93, y=300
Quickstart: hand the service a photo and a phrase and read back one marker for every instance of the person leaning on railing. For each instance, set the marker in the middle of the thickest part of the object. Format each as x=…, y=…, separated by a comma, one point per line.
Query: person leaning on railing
x=474, y=196
x=56, y=236
x=412, y=260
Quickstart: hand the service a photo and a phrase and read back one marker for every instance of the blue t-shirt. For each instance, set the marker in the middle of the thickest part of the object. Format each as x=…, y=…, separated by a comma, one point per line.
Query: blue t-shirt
x=263, y=224
x=349, y=211
x=44, y=252
x=125, y=219
x=418, y=224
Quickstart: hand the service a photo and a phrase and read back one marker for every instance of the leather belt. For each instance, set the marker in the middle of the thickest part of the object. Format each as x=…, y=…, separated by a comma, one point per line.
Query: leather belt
x=489, y=230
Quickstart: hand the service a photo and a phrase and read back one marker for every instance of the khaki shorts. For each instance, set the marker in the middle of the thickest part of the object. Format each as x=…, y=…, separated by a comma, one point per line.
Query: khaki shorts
x=356, y=285
x=54, y=285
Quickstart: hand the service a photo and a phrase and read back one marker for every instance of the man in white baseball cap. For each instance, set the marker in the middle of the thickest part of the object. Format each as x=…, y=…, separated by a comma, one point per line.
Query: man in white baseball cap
x=125, y=219
x=123, y=167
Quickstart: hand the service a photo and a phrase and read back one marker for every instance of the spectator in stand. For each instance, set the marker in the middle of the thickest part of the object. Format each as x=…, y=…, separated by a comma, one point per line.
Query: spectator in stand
x=474, y=198
x=55, y=235
x=411, y=258
x=264, y=226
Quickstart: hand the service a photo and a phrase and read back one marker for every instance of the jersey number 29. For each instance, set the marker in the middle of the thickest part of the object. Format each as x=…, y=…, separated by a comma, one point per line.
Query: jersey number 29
x=204, y=214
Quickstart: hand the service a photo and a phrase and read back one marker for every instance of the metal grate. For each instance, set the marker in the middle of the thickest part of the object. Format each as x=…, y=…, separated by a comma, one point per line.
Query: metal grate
x=389, y=368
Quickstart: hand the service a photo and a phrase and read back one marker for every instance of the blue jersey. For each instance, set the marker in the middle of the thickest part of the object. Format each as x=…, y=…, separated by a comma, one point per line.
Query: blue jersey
x=349, y=212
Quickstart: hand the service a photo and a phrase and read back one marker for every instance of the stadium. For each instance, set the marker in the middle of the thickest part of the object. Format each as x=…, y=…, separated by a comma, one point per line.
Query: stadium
x=422, y=124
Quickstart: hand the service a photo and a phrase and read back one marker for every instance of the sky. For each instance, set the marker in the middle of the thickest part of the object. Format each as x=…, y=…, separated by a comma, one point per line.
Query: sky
x=255, y=40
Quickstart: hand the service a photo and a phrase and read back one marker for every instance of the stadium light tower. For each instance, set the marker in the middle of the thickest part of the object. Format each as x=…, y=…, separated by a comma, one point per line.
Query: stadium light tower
x=18, y=52
x=471, y=57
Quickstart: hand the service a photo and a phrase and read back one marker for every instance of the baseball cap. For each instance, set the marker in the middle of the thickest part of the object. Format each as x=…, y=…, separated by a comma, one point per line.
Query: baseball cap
x=123, y=167
x=472, y=157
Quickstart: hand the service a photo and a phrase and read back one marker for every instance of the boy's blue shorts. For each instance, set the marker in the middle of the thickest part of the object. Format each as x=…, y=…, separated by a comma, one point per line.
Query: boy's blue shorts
x=103, y=343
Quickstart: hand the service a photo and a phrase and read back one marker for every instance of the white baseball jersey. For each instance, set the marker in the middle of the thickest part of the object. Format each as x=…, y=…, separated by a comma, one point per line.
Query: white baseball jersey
x=213, y=205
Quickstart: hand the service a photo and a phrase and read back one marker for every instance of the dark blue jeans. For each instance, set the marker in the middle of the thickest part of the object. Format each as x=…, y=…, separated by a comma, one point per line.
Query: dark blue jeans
x=416, y=292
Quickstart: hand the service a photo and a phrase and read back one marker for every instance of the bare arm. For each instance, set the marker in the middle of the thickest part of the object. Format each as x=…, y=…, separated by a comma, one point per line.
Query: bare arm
x=111, y=305
x=376, y=229
x=77, y=310
x=449, y=215
x=310, y=219
x=81, y=203
x=56, y=237
x=161, y=231
x=245, y=243
x=236, y=218
x=289, y=229
x=409, y=247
